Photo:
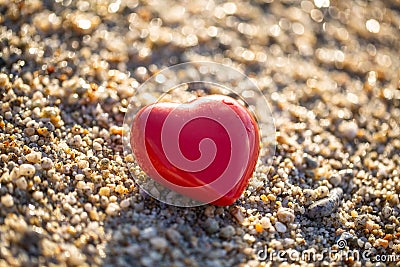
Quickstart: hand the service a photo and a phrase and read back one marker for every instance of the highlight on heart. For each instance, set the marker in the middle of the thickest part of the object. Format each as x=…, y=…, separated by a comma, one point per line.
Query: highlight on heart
x=197, y=136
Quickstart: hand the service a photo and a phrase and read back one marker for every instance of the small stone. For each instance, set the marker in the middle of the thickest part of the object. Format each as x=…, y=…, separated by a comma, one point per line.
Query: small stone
x=326, y=206
x=382, y=243
x=34, y=157
x=335, y=180
x=309, y=194
x=133, y=250
x=386, y=212
x=370, y=225
x=173, y=235
x=265, y=222
x=149, y=232
x=125, y=203
x=7, y=200
x=323, y=191
x=112, y=209
x=47, y=163
x=79, y=177
x=354, y=214
x=280, y=227
x=285, y=215
x=21, y=183
x=37, y=195
x=227, y=232
x=209, y=211
x=116, y=130
x=159, y=243
x=104, y=191
x=311, y=163
x=211, y=226
x=367, y=245
x=348, y=129
x=271, y=197
x=76, y=258
x=360, y=243
x=93, y=215
x=134, y=230
x=75, y=219
x=237, y=214
x=97, y=146
x=258, y=227
x=4, y=79
x=27, y=170
x=48, y=247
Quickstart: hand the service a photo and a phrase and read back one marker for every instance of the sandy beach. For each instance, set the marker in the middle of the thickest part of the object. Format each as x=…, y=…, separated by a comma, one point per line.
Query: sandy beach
x=328, y=69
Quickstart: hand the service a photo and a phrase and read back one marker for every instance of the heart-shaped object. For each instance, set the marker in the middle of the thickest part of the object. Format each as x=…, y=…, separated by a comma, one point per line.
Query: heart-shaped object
x=205, y=149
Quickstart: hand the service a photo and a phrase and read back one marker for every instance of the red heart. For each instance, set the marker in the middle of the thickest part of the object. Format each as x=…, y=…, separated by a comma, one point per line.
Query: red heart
x=206, y=149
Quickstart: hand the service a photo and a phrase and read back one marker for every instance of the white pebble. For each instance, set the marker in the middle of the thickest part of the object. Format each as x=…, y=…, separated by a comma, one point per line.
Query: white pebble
x=112, y=209
x=14, y=173
x=79, y=177
x=37, y=195
x=27, y=170
x=309, y=194
x=7, y=200
x=159, y=243
x=47, y=163
x=125, y=203
x=265, y=222
x=280, y=227
x=97, y=146
x=34, y=157
x=348, y=129
x=323, y=191
x=21, y=183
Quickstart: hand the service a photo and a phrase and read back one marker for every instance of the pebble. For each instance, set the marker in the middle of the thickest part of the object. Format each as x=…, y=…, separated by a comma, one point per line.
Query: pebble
x=211, y=225
x=125, y=203
x=7, y=201
x=112, y=209
x=34, y=157
x=148, y=232
x=326, y=206
x=97, y=146
x=285, y=215
x=27, y=170
x=335, y=180
x=387, y=212
x=237, y=214
x=265, y=222
x=382, y=243
x=227, y=232
x=37, y=195
x=309, y=194
x=21, y=183
x=173, y=236
x=209, y=211
x=104, y=191
x=322, y=191
x=311, y=163
x=280, y=227
x=159, y=243
x=348, y=129
x=46, y=163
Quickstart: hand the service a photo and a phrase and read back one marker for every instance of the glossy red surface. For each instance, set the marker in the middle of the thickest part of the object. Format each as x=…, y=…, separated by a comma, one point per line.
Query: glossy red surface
x=206, y=149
